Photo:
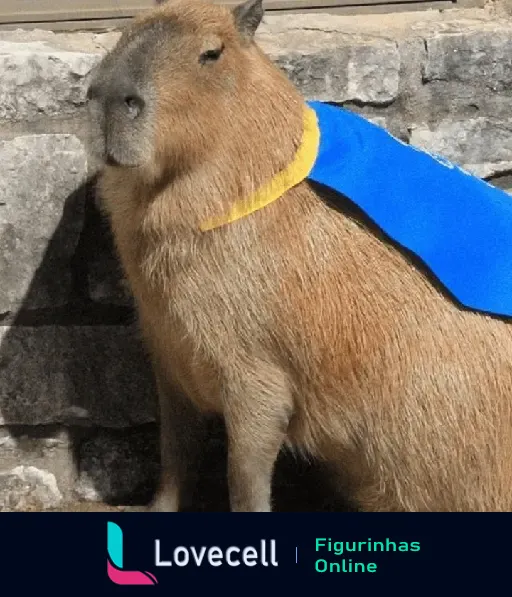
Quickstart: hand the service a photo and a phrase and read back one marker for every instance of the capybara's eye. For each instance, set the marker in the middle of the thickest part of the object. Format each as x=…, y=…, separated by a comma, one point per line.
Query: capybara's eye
x=211, y=55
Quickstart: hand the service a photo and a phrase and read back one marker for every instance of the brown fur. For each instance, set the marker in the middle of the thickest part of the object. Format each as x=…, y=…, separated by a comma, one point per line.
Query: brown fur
x=297, y=323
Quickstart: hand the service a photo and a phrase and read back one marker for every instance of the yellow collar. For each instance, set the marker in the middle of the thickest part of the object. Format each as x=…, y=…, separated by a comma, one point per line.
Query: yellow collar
x=296, y=172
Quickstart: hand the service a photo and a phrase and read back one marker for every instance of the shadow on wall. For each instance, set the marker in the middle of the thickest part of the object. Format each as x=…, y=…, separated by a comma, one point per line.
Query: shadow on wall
x=70, y=357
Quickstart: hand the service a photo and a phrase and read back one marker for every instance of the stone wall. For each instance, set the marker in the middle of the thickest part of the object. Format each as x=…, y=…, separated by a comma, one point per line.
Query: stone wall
x=77, y=411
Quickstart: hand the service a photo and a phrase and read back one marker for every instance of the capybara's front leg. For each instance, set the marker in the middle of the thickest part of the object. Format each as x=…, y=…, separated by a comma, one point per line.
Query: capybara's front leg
x=257, y=413
x=182, y=429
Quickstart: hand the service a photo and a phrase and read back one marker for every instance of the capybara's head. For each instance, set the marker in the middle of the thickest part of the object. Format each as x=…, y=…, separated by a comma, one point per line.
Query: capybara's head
x=176, y=74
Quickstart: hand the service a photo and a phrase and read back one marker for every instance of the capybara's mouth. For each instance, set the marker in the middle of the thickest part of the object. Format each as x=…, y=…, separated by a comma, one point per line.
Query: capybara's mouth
x=111, y=161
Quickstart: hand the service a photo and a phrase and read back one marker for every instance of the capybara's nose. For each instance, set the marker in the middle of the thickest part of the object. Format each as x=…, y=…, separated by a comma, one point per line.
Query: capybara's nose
x=115, y=96
x=133, y=104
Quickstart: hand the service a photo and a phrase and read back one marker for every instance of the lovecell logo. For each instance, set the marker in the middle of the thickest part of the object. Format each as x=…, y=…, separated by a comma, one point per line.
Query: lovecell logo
x=115, y=561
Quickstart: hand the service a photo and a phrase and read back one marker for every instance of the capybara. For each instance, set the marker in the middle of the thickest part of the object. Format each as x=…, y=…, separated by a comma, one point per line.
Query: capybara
x=300, y=324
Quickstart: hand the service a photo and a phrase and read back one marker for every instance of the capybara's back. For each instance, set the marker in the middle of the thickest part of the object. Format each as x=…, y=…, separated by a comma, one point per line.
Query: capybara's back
x=296, y=320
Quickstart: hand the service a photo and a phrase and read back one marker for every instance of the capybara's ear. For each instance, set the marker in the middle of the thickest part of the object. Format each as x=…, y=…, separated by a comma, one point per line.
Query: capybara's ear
x=248, y=17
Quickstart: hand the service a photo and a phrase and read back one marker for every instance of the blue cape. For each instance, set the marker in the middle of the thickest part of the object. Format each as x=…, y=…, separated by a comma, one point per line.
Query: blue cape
x=458, y=225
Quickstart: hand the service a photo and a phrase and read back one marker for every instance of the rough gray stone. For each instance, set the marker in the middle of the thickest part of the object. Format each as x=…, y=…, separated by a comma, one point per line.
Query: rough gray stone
x=48, y=449
x=471, y=56
x=106, y=282
x=413, y=56
x=26, y=489
x=40, y=80
x=482, y=145
x=41, y=216
x=39, y=444
x=468, y=73
x=89, y=42
x=342, y=70
x=122, y=467
x=378, y=120
x=91, y=375
x=119, y=468
x=489, y=170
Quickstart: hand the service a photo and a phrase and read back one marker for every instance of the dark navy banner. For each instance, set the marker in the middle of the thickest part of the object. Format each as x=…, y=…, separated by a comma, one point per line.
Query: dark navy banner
x=189, y=554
